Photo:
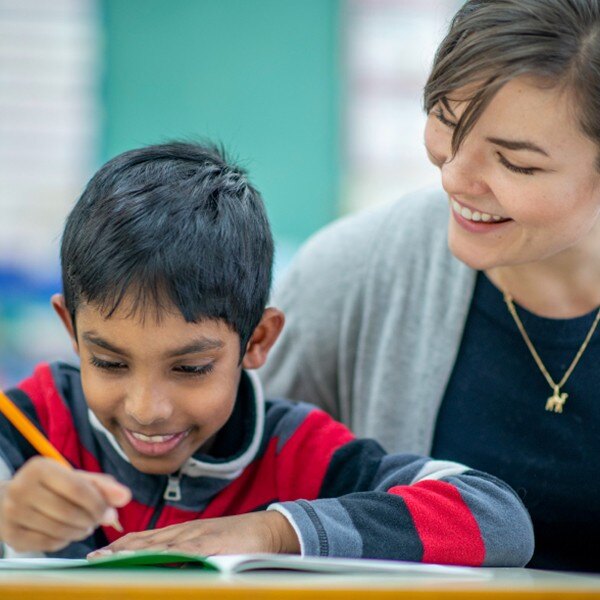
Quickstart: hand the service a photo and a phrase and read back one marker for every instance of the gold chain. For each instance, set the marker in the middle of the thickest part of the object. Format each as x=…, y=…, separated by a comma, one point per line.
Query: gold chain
x=557, y=400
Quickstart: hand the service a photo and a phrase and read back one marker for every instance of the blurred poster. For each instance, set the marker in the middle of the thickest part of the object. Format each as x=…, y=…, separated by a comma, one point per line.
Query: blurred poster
x=49, y=117
x=388, y=48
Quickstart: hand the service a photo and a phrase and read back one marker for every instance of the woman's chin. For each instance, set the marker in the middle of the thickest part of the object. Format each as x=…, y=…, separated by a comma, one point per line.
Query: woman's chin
x=475, y=256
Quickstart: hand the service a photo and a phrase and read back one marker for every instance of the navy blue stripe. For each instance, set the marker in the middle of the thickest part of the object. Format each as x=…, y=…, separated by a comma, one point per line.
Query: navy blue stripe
x=385, y=525
x=352, y=469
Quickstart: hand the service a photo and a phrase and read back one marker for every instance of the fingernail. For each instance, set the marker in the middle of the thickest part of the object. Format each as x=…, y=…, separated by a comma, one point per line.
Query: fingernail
x=100, y=553
x=109, y=516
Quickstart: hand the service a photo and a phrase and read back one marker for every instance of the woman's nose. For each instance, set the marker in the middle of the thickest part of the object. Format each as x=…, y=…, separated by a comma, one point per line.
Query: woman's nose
x=147, y=404
x=462, y=177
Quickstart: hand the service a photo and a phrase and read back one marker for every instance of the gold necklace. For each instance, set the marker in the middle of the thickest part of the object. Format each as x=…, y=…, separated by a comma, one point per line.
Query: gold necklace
x=557, y=400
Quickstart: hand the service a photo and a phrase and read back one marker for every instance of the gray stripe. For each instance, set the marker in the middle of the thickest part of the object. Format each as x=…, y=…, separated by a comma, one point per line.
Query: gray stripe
x=397, y=469
x=287, y=426
x=302, y=524
x=504, y=523
x=329, y=526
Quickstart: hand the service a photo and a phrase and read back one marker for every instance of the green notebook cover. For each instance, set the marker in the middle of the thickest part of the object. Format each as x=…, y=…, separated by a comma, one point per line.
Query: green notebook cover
x=116, y=561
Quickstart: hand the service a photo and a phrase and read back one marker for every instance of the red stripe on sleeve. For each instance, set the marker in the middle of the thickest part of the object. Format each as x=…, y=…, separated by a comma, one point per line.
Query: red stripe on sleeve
x=448, y=530
x=305, y=457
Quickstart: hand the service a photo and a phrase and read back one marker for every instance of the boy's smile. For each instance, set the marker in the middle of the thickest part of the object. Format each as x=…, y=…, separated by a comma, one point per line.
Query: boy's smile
x=154, y=444
x=163, y=387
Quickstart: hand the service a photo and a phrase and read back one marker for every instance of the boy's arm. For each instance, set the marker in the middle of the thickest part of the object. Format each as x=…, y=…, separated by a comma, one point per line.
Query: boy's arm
x=374, y=505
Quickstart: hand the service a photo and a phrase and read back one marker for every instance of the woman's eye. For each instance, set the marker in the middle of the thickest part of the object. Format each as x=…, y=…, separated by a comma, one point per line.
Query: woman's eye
x=521, y=170
x=438, y=113
x=106, y=364
x=195, y=369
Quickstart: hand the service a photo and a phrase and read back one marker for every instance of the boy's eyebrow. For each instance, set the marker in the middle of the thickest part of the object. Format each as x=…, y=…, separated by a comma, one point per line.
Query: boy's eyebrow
x=202, y=344
x=197, y=346
x=98, y=341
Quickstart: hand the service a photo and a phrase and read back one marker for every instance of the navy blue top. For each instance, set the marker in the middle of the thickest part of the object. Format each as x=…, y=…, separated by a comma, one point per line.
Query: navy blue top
x=493, y=418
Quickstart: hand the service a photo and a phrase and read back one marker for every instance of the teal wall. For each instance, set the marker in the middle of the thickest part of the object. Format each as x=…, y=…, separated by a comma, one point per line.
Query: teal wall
x=261, y=76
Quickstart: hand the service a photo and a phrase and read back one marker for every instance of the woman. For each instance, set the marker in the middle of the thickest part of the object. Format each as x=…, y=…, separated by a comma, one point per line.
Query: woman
x=462, y=322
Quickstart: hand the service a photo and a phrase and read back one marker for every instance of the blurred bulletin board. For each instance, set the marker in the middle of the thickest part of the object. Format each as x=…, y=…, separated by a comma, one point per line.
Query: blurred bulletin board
x=49, y=126
x=388, y=48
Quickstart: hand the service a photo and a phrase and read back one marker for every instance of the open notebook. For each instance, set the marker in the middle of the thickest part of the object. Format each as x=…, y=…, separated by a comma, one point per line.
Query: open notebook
x=244, y=563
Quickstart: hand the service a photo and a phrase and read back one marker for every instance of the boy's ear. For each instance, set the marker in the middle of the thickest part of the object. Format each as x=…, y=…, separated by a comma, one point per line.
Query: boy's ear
x=58, y=304
x=263, y=338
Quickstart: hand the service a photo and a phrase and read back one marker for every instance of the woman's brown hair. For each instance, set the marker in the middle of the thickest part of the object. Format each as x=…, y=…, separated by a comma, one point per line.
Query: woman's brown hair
x=491, y=42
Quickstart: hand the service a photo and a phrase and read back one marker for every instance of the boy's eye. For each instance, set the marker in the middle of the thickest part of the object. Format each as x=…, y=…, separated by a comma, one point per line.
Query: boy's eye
x=106, y=364
x=195, y=369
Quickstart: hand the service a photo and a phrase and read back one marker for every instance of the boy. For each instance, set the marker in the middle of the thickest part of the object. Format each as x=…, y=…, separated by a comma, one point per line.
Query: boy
x=166, y=264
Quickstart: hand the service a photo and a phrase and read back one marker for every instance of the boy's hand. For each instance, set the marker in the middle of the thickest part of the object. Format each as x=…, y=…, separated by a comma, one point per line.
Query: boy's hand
x=46, y=506
x=265, y=531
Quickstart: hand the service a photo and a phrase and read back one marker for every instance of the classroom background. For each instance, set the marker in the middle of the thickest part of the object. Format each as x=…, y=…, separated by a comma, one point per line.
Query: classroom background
x=318, y=99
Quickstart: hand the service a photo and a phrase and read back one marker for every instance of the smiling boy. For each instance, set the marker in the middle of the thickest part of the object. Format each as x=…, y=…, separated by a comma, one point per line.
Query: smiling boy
x=166, y=263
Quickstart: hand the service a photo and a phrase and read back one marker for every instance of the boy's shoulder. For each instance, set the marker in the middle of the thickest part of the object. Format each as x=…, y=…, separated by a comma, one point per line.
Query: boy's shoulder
x=49, y=384
x=52, y=394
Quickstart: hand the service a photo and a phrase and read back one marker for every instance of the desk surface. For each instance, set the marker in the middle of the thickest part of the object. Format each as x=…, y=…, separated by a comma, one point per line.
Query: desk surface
x=168, y=584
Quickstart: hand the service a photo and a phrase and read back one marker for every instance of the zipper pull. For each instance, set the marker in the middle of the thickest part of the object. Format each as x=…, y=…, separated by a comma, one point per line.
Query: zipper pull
x=173, y=489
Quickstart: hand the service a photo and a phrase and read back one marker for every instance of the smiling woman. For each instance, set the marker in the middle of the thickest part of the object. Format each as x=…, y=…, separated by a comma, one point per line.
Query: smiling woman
x=449, y=321
x=527, y=164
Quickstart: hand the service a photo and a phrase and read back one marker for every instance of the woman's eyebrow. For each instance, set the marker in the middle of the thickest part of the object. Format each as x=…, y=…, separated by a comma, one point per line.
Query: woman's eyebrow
x=517, y=145
x=446, y=104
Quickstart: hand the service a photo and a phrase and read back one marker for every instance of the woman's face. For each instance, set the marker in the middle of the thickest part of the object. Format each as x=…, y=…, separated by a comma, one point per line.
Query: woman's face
x=523, y=186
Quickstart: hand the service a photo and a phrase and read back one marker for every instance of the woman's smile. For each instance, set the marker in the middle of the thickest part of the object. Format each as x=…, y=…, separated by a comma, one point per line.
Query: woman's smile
x=528, y=172
x=476, y=221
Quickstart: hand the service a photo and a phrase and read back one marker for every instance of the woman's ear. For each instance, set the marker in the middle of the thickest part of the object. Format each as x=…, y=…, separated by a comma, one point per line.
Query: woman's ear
x=263, y=338
x=58, y=304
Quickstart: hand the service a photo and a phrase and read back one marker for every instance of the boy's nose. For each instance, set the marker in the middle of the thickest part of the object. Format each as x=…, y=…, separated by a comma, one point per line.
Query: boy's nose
x=146, y=404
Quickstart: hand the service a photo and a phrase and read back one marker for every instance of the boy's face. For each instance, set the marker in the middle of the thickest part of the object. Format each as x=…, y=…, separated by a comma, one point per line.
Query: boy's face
x=162, y=388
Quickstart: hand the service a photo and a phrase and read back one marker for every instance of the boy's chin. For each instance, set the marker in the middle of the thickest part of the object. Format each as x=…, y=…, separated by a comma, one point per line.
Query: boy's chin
x=157, y=466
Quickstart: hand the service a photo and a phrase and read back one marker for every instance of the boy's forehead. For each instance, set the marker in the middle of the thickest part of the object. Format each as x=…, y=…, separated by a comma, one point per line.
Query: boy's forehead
x=131, y=310
x=166, y=329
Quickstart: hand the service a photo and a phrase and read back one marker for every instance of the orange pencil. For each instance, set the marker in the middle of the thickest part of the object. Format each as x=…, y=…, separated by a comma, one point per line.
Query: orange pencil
x=34, y=436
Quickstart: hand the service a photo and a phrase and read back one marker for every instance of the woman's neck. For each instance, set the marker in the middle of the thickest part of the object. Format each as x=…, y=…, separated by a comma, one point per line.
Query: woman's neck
x=564, y=286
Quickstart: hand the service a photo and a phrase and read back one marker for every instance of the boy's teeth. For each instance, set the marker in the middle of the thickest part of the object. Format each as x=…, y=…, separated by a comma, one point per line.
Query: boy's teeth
x=470, y=215
x=153, y=439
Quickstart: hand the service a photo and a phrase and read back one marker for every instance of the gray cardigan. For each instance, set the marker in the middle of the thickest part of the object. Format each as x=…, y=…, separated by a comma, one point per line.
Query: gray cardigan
x=375, y=305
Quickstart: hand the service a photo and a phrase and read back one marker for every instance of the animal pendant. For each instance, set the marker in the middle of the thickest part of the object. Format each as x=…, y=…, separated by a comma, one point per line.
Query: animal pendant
x=556, y=401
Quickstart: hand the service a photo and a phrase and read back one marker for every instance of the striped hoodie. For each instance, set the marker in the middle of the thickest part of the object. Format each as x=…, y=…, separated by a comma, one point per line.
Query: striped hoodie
x=344, y=496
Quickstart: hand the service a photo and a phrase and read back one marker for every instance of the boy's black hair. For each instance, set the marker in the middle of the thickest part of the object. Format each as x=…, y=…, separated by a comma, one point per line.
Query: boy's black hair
x=171, y=225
